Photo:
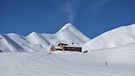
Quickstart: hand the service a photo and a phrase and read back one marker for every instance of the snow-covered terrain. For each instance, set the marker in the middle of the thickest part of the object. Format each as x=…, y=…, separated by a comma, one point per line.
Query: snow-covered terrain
x=41, y=41
x=110, y=54
x=113, y=38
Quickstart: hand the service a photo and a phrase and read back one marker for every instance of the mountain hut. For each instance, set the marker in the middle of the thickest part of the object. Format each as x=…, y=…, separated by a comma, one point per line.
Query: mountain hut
x=65, y=47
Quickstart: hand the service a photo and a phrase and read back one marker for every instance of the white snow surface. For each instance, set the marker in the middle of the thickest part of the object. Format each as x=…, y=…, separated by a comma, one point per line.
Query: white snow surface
x=30, y=55
x=121, y=62
x=42, y=41
x=113, y=38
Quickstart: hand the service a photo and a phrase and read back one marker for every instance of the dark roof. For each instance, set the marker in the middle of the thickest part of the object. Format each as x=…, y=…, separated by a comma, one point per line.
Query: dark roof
x=62, y=44
x=1, y=51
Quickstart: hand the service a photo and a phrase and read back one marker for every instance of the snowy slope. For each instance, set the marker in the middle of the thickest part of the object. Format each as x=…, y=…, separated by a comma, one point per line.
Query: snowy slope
x=121, y=55
x=67, y=34
x=37, y=39
x=116, y=47
x=42, y=41
x=7, y=44
x=120, y=63
x=26, y=43
x=113, y=38
x=71, y=34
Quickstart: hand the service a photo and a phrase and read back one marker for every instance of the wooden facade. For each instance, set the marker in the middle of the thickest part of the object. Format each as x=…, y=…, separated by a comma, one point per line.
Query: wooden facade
x=79, y=49
x=65, y=47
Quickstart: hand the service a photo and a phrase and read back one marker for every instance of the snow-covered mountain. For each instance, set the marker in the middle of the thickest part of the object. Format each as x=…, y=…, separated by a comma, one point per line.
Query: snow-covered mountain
x=67, y=34
x=42, y=41
x=70, y=32
x=113, y=38
x=7, y=44
x=110, y=54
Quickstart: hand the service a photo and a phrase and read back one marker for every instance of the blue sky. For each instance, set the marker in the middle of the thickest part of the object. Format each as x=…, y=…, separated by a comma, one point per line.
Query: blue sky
x=92, y=17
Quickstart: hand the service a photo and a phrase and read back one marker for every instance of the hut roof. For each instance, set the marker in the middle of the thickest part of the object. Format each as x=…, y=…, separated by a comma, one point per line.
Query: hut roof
x=62, y=44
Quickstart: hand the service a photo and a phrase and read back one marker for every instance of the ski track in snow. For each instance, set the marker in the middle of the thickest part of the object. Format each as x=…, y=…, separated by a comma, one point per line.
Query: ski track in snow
x=39, y=64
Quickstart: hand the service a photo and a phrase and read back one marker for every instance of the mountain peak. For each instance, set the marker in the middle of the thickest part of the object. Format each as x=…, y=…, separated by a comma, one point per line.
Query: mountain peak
x=69, y=31
x=67, y=25
x=33, y=34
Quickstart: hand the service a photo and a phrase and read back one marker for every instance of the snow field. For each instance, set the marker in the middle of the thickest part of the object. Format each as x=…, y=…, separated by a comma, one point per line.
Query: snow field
x=68, y=63
x=30, y=55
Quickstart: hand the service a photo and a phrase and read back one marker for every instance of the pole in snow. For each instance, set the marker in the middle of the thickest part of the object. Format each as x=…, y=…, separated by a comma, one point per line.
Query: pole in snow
x=106, y=63
x=49, y=53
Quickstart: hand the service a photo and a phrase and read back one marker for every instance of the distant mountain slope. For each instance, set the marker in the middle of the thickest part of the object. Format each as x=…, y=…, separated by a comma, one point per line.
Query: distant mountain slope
x=70, y=34
x=42, y=41
x=114, y=38
x=37, y=39
x=67, y=34
x=7, y=44
x=28, y=44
